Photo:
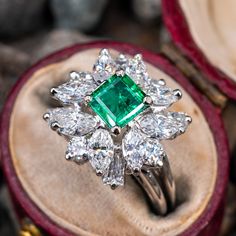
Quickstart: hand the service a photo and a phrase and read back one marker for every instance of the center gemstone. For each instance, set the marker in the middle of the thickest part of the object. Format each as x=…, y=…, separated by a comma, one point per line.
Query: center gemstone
x=118, y=101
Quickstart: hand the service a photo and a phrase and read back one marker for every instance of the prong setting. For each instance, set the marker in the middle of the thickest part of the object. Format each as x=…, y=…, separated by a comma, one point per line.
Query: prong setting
x=188, y=119
x=128, y=171
x=46, y=116
x=53, y=91
x=55, y=126
x=68, y=156
x=104, y=51
x=74, y=75
x=136, y=171
x=116, y=130
x=162, y=82
x=148, y=100
x=138, y=57
x=113, y=186
x=160, y=163
x=122, y=58
x=120, y=72
x=99, y=173
x=177, y=93
x=88, y=99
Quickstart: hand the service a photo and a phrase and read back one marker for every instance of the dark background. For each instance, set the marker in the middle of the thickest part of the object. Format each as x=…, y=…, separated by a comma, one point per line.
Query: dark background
x=31, y=29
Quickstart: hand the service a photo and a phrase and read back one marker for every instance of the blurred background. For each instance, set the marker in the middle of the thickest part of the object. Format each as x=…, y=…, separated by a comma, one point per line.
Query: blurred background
x=29, y=30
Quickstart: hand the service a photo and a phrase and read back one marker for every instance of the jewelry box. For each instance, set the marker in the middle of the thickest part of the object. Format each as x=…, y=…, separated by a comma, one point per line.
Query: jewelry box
x=56, y=197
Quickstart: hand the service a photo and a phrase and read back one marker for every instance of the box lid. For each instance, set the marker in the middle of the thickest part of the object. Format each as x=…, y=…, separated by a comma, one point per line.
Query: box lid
x=204, y=30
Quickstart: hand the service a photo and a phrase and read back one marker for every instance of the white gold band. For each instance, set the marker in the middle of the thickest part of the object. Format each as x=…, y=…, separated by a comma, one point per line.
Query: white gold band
x=159, y=186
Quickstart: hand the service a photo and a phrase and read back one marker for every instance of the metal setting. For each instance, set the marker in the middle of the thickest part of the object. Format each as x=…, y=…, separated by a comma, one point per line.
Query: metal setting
x=55, y=126
x=120, y=131
x=148, y=100
x=46, y=116
x=116, y=130
x=87, y=99
x=53, y=91
x=177, y=93
x=120, y=72
x=188, y=119
x=162, y=82
x=74, y=75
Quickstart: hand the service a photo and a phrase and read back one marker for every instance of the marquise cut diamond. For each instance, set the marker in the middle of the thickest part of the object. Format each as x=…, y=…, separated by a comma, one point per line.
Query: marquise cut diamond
x=104, y=66
x=139, y=150
x=133, y=149
x=85, y=123
x=136, y=68
x=162, y=96
x=101, y=150
x=154, y=153
x=75, y=90
x=77, y=150
x=166, y=125
x=181, y=119
x=70, y=121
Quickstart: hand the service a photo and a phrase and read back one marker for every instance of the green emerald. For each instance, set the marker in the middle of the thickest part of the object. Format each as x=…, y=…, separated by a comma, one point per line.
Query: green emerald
x=118, y=101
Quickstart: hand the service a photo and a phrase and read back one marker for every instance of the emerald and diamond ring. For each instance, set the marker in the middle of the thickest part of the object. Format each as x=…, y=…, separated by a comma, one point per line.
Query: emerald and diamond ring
x=115, y=118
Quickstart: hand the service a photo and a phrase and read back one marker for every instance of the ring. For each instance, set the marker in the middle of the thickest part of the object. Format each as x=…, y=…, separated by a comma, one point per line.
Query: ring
x=115, y=118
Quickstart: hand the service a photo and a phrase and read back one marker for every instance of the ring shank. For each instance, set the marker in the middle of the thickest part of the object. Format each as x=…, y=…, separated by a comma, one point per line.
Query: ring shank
x=159, y=186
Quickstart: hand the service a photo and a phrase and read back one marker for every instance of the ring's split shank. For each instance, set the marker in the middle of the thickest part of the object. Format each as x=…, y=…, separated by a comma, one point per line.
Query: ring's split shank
x=159, y=186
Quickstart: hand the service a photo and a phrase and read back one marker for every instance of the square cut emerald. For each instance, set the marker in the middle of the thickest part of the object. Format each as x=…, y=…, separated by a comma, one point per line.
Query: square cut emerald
x=118, y=101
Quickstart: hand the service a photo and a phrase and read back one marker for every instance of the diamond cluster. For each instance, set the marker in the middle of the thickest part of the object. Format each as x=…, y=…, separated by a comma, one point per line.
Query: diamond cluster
x=116, y=117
